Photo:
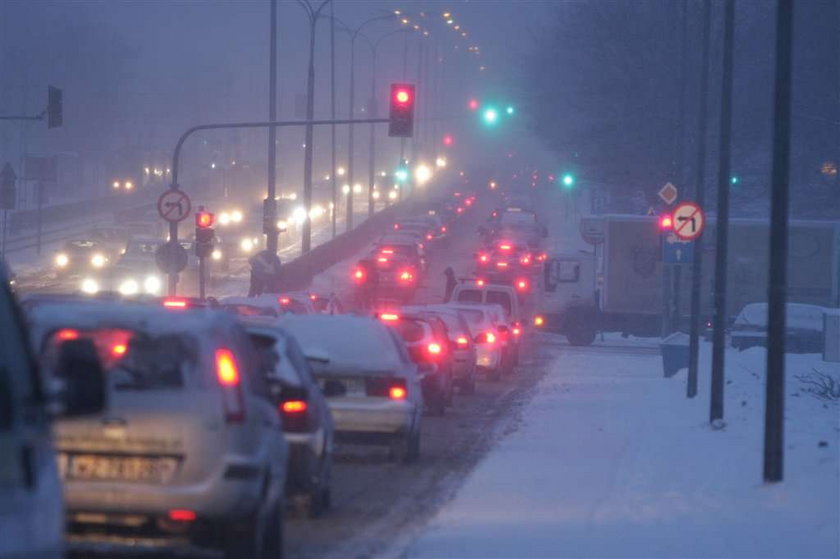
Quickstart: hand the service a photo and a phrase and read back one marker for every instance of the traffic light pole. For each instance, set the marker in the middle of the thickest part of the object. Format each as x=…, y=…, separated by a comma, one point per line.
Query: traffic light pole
x=176, y=157
x=721, y=318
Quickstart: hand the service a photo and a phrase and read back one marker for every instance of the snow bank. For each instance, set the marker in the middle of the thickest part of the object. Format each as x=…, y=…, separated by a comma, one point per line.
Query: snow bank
x=611, y=460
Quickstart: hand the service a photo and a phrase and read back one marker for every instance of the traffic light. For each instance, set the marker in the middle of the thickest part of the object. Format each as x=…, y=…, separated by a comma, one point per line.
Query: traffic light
x=204, y=233
x=401, y=174
x=490, y=116
x=401, y=118
x=448, y=140
x=510, y=110
x=472, y=104
x=734, y=180
x=55, y=107
x=568, y=180
x=666, y=222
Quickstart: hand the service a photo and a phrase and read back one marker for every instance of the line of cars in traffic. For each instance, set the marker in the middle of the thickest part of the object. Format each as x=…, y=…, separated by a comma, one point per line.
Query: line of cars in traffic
x=193, y=423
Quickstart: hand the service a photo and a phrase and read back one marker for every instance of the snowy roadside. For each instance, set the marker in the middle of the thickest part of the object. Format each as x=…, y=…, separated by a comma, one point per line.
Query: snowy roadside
x=611, y=460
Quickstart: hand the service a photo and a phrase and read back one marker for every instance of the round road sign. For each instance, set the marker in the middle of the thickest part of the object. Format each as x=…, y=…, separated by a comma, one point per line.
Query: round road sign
x=174, y=205
x=171, y=258
x=689, y=221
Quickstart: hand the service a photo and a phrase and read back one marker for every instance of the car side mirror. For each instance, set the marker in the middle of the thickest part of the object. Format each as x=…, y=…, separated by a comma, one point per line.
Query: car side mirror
x=317, y=355
x=334, y=388
x=82, y=389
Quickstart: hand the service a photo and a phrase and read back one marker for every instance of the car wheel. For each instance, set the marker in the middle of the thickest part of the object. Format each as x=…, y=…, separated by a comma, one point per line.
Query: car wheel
x=247, y=538
x=273, y=532
x=468, y=386
x=413, y=446
x=320, y=495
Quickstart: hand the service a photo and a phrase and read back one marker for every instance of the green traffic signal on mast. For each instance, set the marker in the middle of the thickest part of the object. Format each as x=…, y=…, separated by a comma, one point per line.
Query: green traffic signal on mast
x=567, y=180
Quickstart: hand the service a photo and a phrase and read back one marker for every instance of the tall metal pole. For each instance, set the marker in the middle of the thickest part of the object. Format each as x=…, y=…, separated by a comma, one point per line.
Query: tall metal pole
x=774, y=432
x=400, y=192
x=373, y=112
x=349, y=219
x=270, y=204
x=333, y=181
x=722, y=228
x=700, y=198
x=306, y=228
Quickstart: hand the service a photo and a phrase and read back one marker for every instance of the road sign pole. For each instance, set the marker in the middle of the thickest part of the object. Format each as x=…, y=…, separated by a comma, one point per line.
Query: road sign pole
x=173, y=276
x=724, y=161
x=39, y=193
x=774, y=422
x=700, y=198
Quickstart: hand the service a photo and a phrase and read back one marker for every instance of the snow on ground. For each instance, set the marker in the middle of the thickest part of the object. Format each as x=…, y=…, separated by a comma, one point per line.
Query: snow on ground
x=611, y=460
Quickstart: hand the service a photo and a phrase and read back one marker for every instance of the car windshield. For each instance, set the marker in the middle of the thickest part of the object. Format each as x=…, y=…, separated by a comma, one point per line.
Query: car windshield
x=470, y=296
x=500, y=298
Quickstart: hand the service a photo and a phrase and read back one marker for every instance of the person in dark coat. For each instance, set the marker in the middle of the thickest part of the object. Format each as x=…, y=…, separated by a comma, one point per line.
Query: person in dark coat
x=451, y=282
x=368, y=288
x=265, y=273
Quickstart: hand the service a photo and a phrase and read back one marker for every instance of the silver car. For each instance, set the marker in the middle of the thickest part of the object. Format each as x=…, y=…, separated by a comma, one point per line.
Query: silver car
x=190, y=451
x=370, y=382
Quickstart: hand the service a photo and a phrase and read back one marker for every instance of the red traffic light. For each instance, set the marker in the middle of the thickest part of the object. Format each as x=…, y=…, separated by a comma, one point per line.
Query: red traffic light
x=473, y=104
x=402, y=96
x=204, y=220
x=401, y=117
x=448, y=140
x=666, y=222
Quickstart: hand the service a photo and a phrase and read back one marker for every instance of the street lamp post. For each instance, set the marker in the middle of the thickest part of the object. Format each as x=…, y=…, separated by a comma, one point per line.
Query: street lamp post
x=354, y=34
x=374, y=47
x=313, y=14
x=270, y=204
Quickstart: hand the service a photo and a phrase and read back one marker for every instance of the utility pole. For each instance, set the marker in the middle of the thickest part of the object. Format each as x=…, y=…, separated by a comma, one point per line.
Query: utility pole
x=774, y=433
x=270, y=204
x=333, y=182
x=350, y=135
x=700, y=198
x=722, y=229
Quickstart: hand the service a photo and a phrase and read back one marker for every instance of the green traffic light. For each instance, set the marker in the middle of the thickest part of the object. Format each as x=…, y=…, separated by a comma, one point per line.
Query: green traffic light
x=734, y=180
x=568, y=180
x=401, y=175
x=510, y=110
x=490, y=116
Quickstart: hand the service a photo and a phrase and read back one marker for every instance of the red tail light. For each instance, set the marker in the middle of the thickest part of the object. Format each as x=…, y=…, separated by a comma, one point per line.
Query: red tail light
x=462, y=341
x=501, y=264
x=522, y=285
x=313, y=297
x=479, y=282
x=284, y=300
x=175, y=303
x=67, y=334
x=406, y=276
x=396, y=226
x=505, y=247
x=228, y=376
x=517, y=329
x=387, y=251
x=443, y=229
x=483, y=258
x=525, y=260
x=359, y=275
x=434, y=348
x=429, y=236
x=182, y=515
x=487, y=338
x=397, y=393
x=389, y=316
x=119, y=350
x=459, y=210
x=294, y=406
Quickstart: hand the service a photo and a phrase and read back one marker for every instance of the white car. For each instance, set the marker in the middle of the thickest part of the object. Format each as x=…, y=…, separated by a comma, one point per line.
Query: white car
x=370, y=382
x=190, y=452
x=487, y=338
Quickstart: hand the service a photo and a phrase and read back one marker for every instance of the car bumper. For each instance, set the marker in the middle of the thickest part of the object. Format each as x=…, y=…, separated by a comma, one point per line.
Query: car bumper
x=371, y=415
x=487, y=358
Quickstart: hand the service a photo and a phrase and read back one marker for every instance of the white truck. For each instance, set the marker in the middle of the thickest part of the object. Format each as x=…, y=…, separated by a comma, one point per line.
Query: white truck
x=618, y=286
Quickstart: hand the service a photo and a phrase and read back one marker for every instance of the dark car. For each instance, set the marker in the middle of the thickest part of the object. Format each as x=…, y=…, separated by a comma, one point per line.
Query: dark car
x=426, y=338
x=307, y=421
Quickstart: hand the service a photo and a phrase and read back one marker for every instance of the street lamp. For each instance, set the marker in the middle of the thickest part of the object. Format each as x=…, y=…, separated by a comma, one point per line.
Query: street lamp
x=354, y=34
x=313, y=14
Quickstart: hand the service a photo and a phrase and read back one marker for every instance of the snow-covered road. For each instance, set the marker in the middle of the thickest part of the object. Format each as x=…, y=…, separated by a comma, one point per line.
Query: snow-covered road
x=610, y=460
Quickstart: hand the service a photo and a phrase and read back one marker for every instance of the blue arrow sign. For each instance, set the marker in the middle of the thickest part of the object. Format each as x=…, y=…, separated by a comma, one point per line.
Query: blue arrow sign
x=677, y=251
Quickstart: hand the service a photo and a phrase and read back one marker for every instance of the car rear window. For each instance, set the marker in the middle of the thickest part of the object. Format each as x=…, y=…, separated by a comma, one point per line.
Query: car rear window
x=249, y=310
x=470, y=296
x=411, y=331
x=134, y=361
x=475, y=317
x=501, y=298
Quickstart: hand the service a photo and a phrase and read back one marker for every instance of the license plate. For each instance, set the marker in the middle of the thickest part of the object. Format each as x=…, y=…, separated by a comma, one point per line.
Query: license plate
x=89, y=467
x=352, y=386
